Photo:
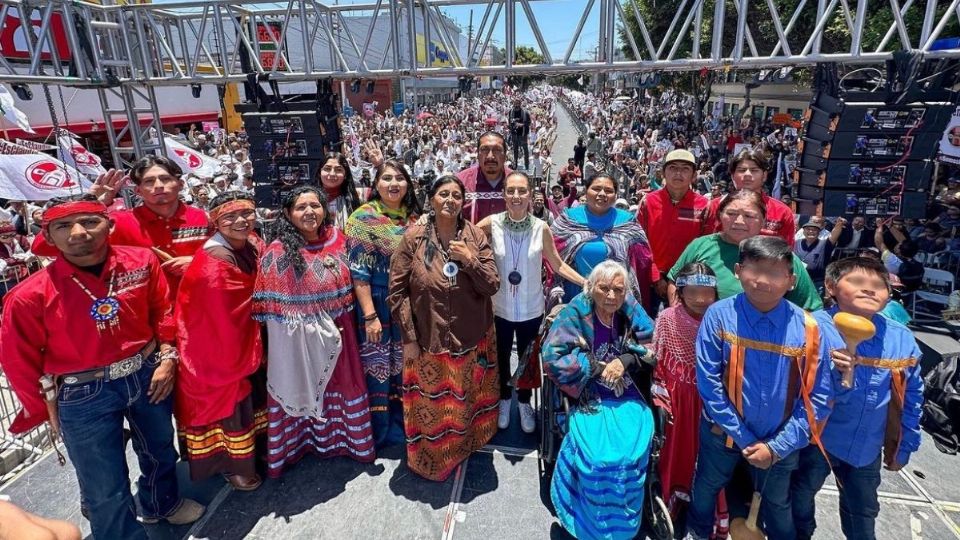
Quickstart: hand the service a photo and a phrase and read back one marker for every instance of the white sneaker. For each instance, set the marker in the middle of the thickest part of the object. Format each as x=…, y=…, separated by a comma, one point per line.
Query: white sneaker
x=528, y=419
x=503, y=421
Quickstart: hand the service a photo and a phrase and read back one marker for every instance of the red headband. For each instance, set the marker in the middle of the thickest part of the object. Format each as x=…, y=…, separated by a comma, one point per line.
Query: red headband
x=231, y=206
x=72, y=208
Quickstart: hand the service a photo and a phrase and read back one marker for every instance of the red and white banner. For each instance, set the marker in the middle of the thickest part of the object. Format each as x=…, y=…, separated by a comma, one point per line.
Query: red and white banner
x=13, y=37
x=38, y=177
x=74, y=154
x=190, y=160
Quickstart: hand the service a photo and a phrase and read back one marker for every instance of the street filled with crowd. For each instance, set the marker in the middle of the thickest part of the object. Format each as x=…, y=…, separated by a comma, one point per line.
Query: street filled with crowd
x=659, y=271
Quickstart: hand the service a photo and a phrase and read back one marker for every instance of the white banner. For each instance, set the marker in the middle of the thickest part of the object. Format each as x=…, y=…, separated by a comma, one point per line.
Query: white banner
x=75, y=155
x=7, y=147
x=190, y=160
x=38, y=177
x=34, y=145
x=10, y=111
x=950, y=142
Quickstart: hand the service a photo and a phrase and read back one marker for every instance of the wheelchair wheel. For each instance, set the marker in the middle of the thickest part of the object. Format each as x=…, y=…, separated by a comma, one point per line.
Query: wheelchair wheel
x=547, y=412
x=659, y=525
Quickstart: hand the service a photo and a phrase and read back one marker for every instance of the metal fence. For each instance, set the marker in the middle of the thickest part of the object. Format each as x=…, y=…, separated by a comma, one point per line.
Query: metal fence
x=16, y=452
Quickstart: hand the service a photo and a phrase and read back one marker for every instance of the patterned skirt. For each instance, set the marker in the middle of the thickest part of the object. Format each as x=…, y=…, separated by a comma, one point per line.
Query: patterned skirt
x=383, y=367
x=231, y=445
x=678, y=457
x=345, y=430
x=598, y=482
x=450, y=405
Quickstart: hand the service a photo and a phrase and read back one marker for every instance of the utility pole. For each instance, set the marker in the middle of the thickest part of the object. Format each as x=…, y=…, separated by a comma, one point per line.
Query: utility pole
x=470, y=38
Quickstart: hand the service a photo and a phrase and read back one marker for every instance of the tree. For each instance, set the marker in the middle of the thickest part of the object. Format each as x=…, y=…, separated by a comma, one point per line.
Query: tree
x=658, y=14
x=525, y=55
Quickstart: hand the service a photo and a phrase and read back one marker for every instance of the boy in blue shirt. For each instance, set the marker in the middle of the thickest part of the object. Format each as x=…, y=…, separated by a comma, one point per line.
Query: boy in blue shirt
x=880, y=412
x=763, y=381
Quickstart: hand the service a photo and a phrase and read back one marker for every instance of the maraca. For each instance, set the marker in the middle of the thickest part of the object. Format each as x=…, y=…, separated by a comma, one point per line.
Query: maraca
x=741, y=529
x=854, y=329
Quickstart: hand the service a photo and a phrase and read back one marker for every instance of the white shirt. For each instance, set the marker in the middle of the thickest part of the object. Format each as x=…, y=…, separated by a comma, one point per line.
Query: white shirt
x=520, y=252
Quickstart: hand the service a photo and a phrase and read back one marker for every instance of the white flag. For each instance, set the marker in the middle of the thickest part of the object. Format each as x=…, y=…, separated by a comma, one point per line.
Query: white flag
x=10, y=111
x=190, y=160
x=38, y=177
x=75, y=155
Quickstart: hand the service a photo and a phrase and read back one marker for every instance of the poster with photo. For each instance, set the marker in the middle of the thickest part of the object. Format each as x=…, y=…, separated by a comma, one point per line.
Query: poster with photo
x=950, y=141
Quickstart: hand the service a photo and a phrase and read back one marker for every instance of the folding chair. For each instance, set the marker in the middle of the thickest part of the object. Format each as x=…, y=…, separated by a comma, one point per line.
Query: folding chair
x=935, y=291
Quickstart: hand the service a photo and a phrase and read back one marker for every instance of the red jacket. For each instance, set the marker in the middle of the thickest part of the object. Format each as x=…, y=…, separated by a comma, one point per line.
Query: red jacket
x=671, y=227
x=780, y=220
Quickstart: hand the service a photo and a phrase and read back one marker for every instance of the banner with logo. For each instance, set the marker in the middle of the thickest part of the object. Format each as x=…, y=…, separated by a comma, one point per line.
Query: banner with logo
x=74, y=154
x=190, y=160
x=38, y=177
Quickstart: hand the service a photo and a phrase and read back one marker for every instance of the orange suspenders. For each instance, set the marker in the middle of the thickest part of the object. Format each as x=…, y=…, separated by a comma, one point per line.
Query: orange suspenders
x=805, y=374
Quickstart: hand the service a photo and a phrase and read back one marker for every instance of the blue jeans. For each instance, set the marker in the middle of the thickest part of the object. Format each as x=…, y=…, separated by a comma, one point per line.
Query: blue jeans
x=715, y=465
x=858, y=486
x=91, y=418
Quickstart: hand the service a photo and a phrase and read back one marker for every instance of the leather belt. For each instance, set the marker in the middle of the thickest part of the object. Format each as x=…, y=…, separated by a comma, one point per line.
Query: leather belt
x=114, y=371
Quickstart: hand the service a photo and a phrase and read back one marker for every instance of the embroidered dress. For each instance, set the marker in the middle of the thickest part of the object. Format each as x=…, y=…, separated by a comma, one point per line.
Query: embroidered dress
x=317, y=399
x=219, y=395
x=598, y=484
x=674, y=337
x=373, y=233
x=450, y=392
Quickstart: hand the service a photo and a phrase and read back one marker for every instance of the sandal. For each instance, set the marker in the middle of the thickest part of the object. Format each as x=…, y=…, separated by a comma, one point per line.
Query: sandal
x=243, y=483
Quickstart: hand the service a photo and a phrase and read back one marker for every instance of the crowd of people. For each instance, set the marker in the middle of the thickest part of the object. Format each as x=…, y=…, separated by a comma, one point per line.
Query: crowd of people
x=369, y=314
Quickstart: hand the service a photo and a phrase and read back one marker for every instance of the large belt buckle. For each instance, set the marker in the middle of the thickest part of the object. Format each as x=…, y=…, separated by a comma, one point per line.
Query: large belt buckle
x=125, y=367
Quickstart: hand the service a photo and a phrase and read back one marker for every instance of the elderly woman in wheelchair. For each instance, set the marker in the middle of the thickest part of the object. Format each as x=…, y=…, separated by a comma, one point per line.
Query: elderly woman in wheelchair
x=593, y=354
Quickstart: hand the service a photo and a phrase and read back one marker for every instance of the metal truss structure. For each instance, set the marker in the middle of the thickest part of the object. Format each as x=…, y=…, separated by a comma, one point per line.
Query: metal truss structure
x=128, y=49
x=207, y=41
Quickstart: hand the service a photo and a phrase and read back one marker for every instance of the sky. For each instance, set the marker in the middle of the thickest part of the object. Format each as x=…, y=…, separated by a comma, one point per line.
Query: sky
x=557, y=20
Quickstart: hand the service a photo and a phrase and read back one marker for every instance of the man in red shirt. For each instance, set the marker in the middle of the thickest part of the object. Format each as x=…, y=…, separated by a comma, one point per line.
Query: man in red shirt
x=672, y=215
x=163, y=223
x=86, y=343
x=484, y=181
x=748, y=170
x=569, y=174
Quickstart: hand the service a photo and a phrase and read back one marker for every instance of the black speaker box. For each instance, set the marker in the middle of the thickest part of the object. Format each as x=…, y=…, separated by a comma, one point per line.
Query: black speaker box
x=846, y=203
x=868, y=175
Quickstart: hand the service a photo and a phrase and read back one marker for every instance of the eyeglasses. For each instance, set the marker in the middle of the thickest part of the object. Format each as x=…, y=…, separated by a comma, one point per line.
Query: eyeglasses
x=230, y=219
x=6, y=236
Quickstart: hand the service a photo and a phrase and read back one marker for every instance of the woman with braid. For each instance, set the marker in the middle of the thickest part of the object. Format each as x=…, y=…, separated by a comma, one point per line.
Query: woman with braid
x=373, y=233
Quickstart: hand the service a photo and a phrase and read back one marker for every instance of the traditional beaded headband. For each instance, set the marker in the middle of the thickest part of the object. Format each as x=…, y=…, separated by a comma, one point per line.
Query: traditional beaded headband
x=701, y=280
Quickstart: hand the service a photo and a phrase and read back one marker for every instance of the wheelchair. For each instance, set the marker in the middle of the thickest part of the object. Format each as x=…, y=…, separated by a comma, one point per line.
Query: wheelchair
x=554, y=416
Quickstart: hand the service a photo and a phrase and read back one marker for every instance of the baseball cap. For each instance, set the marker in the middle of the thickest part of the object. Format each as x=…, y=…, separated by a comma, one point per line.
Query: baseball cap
x=814, y=222
x=680, y=155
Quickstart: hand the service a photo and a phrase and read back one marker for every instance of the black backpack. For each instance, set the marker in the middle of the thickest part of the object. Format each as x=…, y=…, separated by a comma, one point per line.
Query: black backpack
x=911, y=275
x=941, y=407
